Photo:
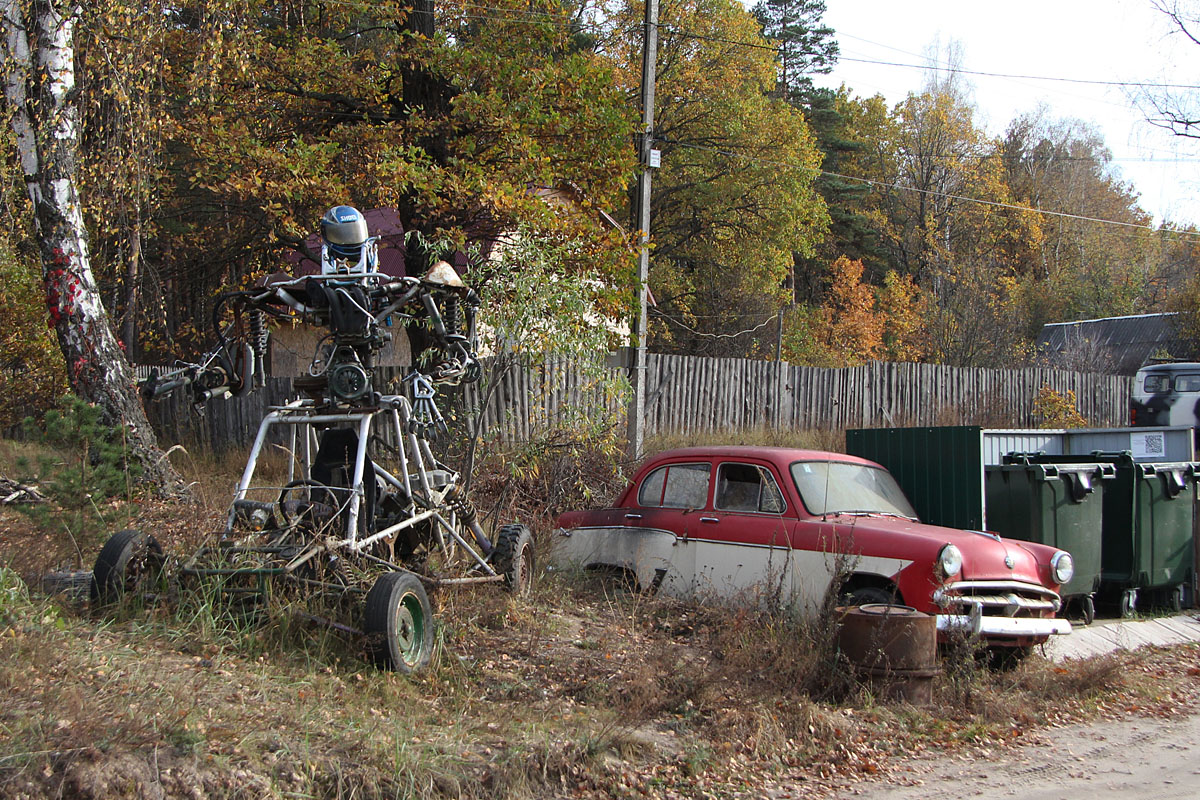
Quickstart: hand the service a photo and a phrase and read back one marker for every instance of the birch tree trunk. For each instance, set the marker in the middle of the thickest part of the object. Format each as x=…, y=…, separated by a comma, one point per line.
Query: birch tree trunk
x=40, y=88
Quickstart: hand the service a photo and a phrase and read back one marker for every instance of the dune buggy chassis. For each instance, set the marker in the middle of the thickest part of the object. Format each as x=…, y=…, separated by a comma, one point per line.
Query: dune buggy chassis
x=363, y=507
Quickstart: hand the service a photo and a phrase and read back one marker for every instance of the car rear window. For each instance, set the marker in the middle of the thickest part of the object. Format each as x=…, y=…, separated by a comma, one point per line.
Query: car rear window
x=746, y=487
x=676, y=486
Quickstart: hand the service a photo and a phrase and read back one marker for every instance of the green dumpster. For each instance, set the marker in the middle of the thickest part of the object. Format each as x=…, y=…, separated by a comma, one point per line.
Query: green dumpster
x=1147, y=536
x=1060, y=505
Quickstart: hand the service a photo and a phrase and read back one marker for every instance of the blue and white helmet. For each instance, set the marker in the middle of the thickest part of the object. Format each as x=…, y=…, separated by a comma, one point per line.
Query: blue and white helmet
x=344, y=230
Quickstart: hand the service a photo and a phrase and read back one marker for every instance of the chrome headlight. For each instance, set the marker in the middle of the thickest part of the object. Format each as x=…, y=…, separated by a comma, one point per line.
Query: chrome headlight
x=1062, y=567
x=949, y=561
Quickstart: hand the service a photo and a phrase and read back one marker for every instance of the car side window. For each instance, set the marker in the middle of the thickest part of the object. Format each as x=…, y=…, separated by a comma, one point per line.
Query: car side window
x=1187, y=383
x=1155, y=384
x=746, y=487
x=676, y=486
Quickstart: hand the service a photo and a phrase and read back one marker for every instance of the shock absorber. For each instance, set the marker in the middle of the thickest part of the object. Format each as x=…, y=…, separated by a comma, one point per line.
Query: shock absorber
x=451, y=316
x=461, y=505
x=258, y=342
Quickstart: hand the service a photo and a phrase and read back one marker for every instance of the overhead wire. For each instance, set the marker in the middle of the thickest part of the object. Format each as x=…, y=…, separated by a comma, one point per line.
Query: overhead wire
x=946, y=195
x=1089, y=81
x=692, y=330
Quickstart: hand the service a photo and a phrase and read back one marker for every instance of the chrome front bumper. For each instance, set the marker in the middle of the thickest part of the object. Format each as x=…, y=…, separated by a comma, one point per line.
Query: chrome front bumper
x=1005, y=603
x=976, y=624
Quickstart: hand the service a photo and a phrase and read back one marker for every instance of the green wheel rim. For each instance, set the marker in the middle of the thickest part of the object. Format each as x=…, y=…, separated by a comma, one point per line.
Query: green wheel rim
x=410, y=629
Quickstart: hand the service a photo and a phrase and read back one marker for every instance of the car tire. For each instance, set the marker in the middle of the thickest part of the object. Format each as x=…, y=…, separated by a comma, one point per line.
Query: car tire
x=398, y=621
x=129, y=561
x=1006, y=658
x=868, y=595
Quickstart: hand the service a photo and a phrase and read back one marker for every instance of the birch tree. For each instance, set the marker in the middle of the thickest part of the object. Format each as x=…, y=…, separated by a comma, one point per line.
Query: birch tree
x=39, y=74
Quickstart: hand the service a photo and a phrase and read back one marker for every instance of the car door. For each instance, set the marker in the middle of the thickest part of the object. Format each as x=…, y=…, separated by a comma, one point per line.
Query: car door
x=743, y=539
x=663, y=512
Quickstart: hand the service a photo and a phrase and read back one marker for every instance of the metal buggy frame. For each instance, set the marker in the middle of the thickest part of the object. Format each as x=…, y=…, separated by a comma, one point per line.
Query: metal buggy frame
x=365, y=507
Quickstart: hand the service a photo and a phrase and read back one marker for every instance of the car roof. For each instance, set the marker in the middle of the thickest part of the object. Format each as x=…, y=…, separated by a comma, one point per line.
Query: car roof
x=1171, y=366
x=781, y=456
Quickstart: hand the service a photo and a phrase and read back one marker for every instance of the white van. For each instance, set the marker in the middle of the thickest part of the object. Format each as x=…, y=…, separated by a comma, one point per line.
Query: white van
x=1166, y=395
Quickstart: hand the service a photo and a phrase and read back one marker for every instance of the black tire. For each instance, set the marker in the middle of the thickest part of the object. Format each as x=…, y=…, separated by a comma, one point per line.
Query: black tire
x=1003, y=659
x=513, y=558
x=868, y=595
x=1128, y=603
x=1088, y=606
x=129, y=561
x=398, y=620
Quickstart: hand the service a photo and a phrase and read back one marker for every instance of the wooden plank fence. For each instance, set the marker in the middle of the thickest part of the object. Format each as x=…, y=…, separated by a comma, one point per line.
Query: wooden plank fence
x=690, y=395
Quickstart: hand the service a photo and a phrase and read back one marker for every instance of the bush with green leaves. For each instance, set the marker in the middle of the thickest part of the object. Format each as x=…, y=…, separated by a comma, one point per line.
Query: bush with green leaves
x=84, y=468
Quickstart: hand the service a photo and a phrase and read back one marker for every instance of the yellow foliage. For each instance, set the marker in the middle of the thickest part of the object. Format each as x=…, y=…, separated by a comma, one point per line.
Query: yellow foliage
x=1057, y=409
x=32, y=373
x=858, y=323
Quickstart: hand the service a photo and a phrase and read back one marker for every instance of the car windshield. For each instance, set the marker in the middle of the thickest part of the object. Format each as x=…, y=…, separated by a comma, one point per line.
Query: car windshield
x=835, y=487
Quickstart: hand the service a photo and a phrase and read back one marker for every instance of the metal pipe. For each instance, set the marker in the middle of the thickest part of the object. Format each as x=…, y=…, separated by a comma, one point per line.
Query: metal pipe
x=463, y=542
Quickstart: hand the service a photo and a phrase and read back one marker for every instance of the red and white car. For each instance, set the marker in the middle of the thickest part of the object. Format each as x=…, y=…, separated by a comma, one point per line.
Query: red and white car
x=756, y=523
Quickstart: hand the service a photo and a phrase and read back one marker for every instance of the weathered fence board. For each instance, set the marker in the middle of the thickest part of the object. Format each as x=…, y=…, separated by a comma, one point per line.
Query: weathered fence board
x=696, y=395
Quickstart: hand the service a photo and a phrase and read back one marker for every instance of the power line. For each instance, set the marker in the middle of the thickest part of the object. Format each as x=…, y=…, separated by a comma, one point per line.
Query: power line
x=1087, y=81
x=935, y=65
x=946, y=195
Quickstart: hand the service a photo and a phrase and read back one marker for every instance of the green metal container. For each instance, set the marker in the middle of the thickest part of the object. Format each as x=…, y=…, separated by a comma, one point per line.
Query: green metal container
x=1147, y=538
x=940, y=469
x=1055, y=504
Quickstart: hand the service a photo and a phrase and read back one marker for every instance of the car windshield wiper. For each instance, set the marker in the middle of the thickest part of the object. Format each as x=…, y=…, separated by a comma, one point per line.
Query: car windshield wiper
x=872, y=513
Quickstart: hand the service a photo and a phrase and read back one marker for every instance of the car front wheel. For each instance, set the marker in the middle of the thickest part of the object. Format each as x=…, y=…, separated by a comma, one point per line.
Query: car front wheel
x=868, y=595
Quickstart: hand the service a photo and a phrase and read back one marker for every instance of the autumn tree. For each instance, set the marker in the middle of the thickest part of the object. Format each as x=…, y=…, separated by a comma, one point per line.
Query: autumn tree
x=735, y=194
x=1098, y=256
x=39, y=63
x=845, y=331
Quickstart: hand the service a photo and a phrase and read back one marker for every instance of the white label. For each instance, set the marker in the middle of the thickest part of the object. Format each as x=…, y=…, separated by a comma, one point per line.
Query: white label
x=1148, y=445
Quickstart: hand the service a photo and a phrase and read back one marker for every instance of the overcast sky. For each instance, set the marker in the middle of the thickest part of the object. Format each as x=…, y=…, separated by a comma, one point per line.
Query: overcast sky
x=1103, y=40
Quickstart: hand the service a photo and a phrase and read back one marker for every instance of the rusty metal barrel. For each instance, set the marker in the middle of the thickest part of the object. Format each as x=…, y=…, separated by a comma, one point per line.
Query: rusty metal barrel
x=894, y=647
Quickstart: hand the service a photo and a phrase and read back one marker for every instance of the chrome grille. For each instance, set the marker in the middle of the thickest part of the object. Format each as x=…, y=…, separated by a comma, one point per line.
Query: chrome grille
x=997, y=598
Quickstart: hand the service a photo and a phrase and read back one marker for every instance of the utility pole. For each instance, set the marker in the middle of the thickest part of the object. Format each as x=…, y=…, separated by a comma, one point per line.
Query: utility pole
x=648, y=157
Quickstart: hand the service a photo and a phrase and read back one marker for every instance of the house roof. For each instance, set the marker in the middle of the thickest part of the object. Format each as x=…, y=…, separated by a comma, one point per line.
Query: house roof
x=1126, y=342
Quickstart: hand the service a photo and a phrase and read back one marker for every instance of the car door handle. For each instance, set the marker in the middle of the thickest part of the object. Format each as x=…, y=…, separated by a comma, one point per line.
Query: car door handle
x=712, y=520
x=633, y=516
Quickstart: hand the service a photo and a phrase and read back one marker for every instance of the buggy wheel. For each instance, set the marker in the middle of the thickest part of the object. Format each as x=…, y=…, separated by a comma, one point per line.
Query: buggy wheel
x=129, y=560
x=398, y=620
x=513, y=558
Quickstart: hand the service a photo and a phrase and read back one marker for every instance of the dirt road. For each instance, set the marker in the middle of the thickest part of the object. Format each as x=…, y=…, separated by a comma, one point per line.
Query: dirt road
x=1136, y=757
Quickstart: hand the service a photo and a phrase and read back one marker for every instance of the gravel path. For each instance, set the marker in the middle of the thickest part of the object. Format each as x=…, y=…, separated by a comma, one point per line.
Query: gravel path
x=1143, y=758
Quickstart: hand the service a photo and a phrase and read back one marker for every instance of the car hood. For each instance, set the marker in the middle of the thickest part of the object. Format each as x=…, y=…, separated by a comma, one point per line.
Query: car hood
x=986, y=556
